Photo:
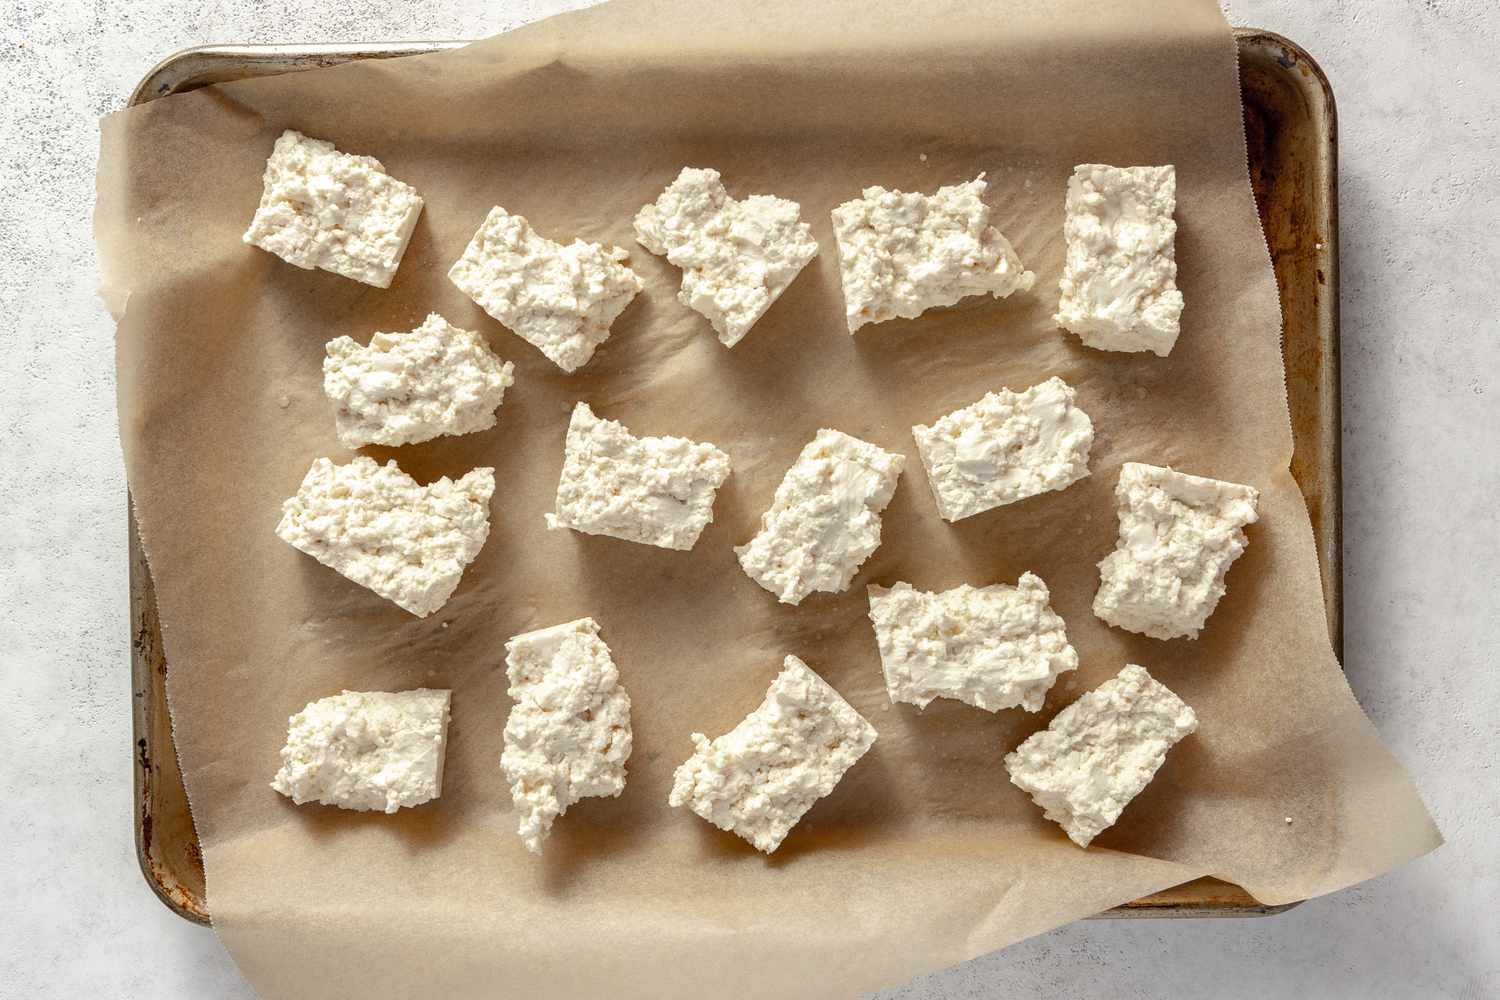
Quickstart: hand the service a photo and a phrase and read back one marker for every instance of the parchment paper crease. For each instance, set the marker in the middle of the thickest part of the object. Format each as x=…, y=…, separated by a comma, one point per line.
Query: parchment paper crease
x=925, y=854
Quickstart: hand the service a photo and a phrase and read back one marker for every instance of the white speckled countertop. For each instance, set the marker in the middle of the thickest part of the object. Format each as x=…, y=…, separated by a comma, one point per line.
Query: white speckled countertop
x=1419, y=104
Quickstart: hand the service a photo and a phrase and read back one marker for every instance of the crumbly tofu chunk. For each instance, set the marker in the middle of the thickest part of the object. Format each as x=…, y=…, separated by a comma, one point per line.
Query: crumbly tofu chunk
x=1100, y=751
x=737, y=257
x=824, y=521
x=375, y=525
x=1119, y=283
x=342, y=213
x=410, y=387
x=1006, y=447
x=991, y=647
x=653, y=490
x=901, y=254
x=568, y=735
x=374, y=751
x=761, y=777
x=1178, y=536
x=560, y=299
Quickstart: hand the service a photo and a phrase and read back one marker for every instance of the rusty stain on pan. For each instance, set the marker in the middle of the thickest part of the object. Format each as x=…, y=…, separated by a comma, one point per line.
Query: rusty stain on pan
x=1290, y=126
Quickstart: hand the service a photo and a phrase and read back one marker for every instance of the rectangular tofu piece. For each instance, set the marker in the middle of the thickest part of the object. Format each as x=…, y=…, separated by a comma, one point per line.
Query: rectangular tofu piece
x=1119, y=283
x=761, y=777
x=366, y=750
x=376, y=526
x=652, y=490
x=824, y=521
x=560, y=299
x=991, y=647
x=1178, y=536
x=411, y=387
x=1100, y=752
x=1006, y=447
x=901, y=254
x=737, y=257
x=342, y=213
x=568, y=735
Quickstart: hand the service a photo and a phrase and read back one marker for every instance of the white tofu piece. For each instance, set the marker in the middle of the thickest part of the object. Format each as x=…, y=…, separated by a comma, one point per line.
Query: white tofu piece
x=652, y=490
x=991, y=647
x=901, y=254
x=824, y=520
x=342, y=213
x=760, y=778
x=737, y=257
x=1178, y=536
x=1100, y=752
x=1119, y=283
x=568, y=735
x=376, y=526
x=1006, y=447
x=411, y=387
x=560, y=299
x=366, y=750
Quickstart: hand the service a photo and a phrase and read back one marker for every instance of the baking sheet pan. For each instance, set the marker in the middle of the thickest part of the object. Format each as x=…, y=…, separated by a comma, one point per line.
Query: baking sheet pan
x=1291, y=127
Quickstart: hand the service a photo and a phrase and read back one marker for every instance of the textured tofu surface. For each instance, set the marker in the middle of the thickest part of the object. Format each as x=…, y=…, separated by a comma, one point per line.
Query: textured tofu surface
x=737, y=256
x=1178, y=536
x=377, y=526
x=560, y=299
x=405, y=388
x=653, y=490
x=568, y=735
x=366, y=750
x=1119, y=284
x=824, y=521
x=991, y=647
x=1006, y=447
x=761, y=777
x=1100, y=752
x=342, y=213
x=901, y=253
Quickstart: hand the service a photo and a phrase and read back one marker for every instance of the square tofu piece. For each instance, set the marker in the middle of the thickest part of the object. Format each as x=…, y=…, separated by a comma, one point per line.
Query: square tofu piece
x=1100, y=752
x=568, y=735
x=410, y=387
x=1006, y=447
x=375, y=525
x=366, y=750
x=1178, y=535
x=653, y=490
x=991, y=647
x=901, y=254
x=824, y=521
x=1119, y=283
x=737, y=257
x=334, y=211
x=560, y=299
x=761, y=777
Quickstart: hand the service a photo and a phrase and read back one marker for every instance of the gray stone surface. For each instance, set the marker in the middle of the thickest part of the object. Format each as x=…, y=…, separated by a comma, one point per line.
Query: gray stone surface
x=1418, y=90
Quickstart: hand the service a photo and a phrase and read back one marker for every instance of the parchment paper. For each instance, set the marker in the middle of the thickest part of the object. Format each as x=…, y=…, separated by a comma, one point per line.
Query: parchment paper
x=925, y=854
